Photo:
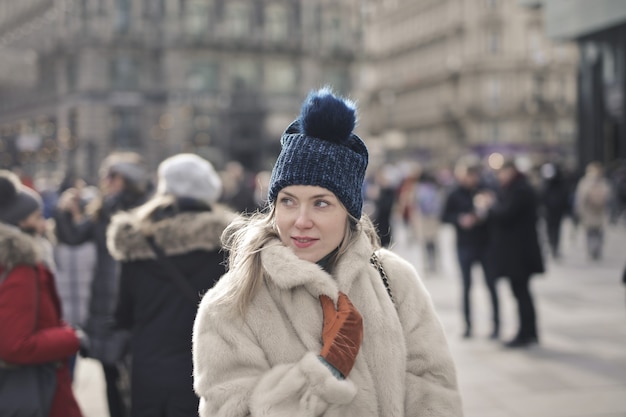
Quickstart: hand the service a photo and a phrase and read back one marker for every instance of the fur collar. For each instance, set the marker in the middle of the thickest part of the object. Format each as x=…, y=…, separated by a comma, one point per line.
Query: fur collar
x=287, y=271
x=176, y=235
x=17, y=248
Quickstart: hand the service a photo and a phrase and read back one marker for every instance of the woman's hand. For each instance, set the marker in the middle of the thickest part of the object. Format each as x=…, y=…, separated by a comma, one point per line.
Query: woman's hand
x=342, y=333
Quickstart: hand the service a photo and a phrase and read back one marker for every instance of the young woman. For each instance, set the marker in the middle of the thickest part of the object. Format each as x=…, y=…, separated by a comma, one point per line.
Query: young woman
x=303, y=324
x=31, y=329
x=185, y=225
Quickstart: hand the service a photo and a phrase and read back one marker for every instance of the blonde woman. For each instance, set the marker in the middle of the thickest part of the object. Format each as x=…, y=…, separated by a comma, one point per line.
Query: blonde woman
x=312, y=317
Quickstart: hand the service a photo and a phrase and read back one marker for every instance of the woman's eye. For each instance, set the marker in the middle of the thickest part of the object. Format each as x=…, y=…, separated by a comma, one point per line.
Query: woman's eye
x=322, y=203
x=286, y=201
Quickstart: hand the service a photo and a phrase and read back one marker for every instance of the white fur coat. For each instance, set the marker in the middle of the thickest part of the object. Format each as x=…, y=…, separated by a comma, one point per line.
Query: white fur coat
x=269, y=366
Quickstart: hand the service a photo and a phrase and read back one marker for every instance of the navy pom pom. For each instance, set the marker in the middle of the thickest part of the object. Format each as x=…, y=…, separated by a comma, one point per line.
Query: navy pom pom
x=327, y=117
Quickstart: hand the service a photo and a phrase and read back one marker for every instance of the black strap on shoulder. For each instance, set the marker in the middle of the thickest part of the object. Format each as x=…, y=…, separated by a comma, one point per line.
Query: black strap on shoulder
x=177, y=276
x=376, y=263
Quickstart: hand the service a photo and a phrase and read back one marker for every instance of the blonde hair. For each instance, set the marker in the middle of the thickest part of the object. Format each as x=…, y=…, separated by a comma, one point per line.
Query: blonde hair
x=145, y=212
x=247, y=236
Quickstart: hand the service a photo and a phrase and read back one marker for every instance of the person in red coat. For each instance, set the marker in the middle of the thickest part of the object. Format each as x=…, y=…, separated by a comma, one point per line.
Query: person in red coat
x=31, y=329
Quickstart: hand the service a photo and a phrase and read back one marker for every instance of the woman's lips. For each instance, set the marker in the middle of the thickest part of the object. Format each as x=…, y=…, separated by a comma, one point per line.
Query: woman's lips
x=303, y=242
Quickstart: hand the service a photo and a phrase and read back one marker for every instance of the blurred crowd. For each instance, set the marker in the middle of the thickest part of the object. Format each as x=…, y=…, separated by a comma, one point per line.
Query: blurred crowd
x=104, y=240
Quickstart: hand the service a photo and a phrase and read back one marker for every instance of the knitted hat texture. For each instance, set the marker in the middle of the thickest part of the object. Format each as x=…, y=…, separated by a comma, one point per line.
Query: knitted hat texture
x=319, y=148
x=188, y=175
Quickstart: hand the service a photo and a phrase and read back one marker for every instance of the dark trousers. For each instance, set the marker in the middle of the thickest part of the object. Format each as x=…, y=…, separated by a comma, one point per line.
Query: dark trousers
x=525, y=307
x=468, y=256
x=595, y=241
x=553, y=229
x=117, y=407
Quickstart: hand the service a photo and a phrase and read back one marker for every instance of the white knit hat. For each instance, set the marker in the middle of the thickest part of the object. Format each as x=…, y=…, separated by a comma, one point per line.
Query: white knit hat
x=188, y=175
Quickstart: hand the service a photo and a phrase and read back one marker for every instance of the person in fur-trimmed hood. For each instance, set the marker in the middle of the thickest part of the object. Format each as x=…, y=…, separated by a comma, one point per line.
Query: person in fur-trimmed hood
x=307, y=322
x=185, y=224
x=31, y=329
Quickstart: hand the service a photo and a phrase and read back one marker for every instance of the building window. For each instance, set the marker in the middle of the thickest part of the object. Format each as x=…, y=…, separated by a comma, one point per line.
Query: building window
x=493, y=132
x=126, y=128
x=338, y=79
x=122, y=15
x=244, y=74
x=195, y=16
x=332, y=29
x=237, y=19
x=125, y=72
x=493, y=93
x=153, y=9
x=276, y=22
x=494, y=41
x=280, y=77
x=71, y=72
x=202, y=75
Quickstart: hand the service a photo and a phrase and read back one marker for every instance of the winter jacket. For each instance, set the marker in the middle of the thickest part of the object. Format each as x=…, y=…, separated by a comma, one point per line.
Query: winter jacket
x=268, y=364
x=461, y=201
x=514, y=250
x=592, y=198
x=31, y=330
x=155, y=310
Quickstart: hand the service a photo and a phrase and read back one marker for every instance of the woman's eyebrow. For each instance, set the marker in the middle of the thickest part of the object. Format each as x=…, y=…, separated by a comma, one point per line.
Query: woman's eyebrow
x=325, y=195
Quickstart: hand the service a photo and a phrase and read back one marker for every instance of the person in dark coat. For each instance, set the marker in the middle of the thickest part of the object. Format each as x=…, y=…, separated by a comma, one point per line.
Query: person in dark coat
x=184, y=222
x=31, y=329
x=384, y=205
x=124, y=185
x=472, y=238
x=514, y=250
x=555, y=201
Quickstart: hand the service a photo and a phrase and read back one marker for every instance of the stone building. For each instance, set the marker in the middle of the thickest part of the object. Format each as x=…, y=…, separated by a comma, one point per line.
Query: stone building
x=448, y=77
x=599, y=30
x=222, y=78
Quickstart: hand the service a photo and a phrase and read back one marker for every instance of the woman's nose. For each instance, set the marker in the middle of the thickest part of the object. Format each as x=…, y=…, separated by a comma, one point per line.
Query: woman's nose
x=304, y=220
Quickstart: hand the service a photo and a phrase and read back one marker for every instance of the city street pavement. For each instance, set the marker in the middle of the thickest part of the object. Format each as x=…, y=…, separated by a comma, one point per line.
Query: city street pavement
x=578, y=369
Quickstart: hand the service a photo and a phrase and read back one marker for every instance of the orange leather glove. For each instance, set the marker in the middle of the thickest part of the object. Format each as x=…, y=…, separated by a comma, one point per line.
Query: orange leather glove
x=342, y=333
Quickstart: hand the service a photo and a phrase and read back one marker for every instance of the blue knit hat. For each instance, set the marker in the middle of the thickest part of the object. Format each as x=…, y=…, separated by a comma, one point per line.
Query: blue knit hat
x=319, y=149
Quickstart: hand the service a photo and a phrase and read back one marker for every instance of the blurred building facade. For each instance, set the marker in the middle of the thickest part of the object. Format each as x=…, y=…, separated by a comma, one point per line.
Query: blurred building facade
x=449, y=77
x=221, y=78
x=599, y=29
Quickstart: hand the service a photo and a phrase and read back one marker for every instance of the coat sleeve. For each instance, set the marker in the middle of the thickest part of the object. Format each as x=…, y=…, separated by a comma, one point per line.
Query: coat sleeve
x=18, y=343
x=124, y=306
x=233, y=378
x=71, y=233
x=450, y=212
x=431, y=385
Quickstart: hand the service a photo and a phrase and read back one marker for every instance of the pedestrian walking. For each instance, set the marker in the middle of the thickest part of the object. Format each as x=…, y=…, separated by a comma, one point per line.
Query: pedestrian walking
x=169, y=253
x=592, y=198
x=31, y=330
x=554, y=199
x=75, y=263
x=124, y=185
x=472, y=241
x=313, y=318
x=514, y=250
x=384, y=204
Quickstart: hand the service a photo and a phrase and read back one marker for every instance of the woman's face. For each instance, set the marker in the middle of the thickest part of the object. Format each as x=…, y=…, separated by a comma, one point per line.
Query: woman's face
x=310, y=220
